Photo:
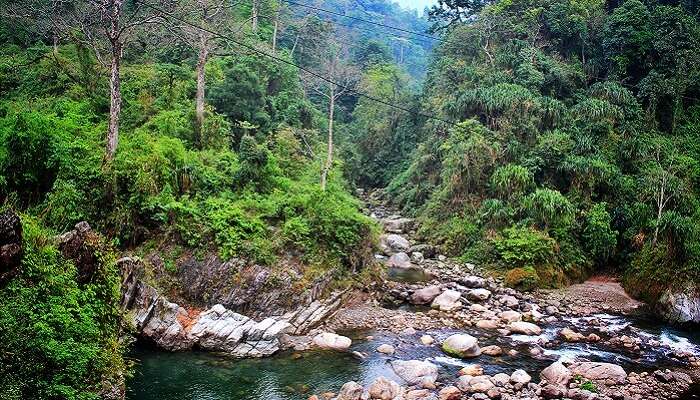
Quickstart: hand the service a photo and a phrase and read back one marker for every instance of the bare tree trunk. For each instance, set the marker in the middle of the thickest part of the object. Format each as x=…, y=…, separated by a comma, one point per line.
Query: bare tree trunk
x=199, y=99
x=274, y=34
x=254, y=16
x=115, y=105
x=115, y=93
x=329, y=154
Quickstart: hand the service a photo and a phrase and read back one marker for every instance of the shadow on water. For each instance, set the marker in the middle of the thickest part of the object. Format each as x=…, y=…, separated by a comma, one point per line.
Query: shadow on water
x=408, y=275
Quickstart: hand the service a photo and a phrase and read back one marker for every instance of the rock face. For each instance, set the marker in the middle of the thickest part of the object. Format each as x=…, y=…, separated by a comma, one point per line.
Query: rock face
x=447, y=300
x=425, y=295
x=681, y=306
x=10, y=245
x=415, y=371
x=332, y=341
x=461, y=345
x=172, y=327
x=599, y=371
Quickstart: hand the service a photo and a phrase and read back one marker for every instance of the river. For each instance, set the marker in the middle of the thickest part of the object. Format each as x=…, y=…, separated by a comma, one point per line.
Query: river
x=295, y=376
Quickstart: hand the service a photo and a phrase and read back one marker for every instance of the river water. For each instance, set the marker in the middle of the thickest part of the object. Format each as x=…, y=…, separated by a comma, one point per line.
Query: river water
x=294, y=376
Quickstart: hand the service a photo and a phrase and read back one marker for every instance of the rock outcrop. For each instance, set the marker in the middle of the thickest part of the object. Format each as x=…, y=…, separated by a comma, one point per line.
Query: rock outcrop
x=172, y=327
x=681, y=306
x=10, y=245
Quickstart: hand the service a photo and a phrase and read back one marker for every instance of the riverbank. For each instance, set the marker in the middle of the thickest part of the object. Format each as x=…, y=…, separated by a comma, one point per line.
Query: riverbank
x=424, y=299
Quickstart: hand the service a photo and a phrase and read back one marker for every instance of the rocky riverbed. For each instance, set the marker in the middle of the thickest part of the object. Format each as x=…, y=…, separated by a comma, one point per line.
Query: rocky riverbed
x=439, y=329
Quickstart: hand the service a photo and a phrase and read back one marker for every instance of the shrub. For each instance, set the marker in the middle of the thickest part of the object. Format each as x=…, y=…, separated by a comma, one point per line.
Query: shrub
x=59, y=337
x=598, y=237
x=524, y=247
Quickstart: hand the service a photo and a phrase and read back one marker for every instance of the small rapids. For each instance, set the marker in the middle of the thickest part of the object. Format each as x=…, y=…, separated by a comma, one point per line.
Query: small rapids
x=292, y=376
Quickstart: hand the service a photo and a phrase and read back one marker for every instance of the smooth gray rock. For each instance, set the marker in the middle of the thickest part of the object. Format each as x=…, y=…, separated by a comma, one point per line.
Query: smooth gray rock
x=415, y=371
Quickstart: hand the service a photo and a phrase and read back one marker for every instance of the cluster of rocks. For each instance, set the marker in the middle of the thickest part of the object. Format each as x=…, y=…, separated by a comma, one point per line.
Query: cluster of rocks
x=577, y=381
x=173, y=327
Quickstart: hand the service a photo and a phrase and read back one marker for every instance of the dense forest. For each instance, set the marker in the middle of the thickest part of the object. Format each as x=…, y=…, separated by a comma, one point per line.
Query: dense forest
x=546, y=140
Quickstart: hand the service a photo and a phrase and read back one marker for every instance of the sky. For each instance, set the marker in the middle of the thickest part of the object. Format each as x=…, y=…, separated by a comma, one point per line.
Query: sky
x=416, y=4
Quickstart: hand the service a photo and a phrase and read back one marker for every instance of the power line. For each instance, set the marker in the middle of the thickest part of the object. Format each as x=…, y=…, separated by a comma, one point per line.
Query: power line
x=425, y=35
x=349, y=44
x=309, y=71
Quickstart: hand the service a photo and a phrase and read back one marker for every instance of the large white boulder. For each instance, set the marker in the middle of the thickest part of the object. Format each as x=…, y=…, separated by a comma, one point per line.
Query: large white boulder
x=332, y=341
x=447, y=300
x=525, y=328
x=556, y=374
x=461, y=345
x=597, y=371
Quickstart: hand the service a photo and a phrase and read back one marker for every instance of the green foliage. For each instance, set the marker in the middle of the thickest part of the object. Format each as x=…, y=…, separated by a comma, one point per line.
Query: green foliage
x=547, y=208
x=582, y=105
x=524, y=247
x=599, y=237
x=59, y=337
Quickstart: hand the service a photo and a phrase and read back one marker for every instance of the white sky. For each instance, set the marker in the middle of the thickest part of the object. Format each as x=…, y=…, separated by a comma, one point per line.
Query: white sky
x=416, y=4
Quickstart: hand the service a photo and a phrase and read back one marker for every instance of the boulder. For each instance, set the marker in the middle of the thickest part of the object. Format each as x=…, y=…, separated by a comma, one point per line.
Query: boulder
x=427, y=340
x=394, y=243
x=332, y=341
x=525, y=328
x=571, y=336
x=508, y=300
x=425, y=295
x=350, y=391
x=450, y=393
x=487, y=324
x=397, y=225
x=681, y=306
x=500, y=379
x=475, y=384
x=519, y=376
x=399, y=260
x=473, y=281
x=417, y=257
x=492, y=350
x=556, y=374
x=510, y=316
x=415, y=371
x=461, y=345
x=427, y=250
x=386, y=349
x=478, y=294
x=596, y=371
x=471, y=370
x=384, y=389
x=447, y=300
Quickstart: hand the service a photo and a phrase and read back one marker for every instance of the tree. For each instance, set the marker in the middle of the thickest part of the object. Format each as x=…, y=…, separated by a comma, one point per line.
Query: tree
x=337, y=77
x=448, y=12
x=105, y=26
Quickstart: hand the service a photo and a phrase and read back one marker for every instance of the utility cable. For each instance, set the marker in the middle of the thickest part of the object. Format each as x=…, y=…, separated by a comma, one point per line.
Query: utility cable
x=291, y=63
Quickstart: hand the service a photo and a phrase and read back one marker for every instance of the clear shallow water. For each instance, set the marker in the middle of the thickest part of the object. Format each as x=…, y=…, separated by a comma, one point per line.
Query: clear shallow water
x=294, y=376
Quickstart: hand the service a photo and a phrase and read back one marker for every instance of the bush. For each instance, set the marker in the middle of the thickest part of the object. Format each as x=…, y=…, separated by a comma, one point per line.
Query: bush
x=58, y=338
x=524, y=247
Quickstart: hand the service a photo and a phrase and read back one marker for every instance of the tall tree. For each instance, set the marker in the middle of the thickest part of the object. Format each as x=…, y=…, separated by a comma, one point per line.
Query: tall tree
x=105, y=26
x=339, y=77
